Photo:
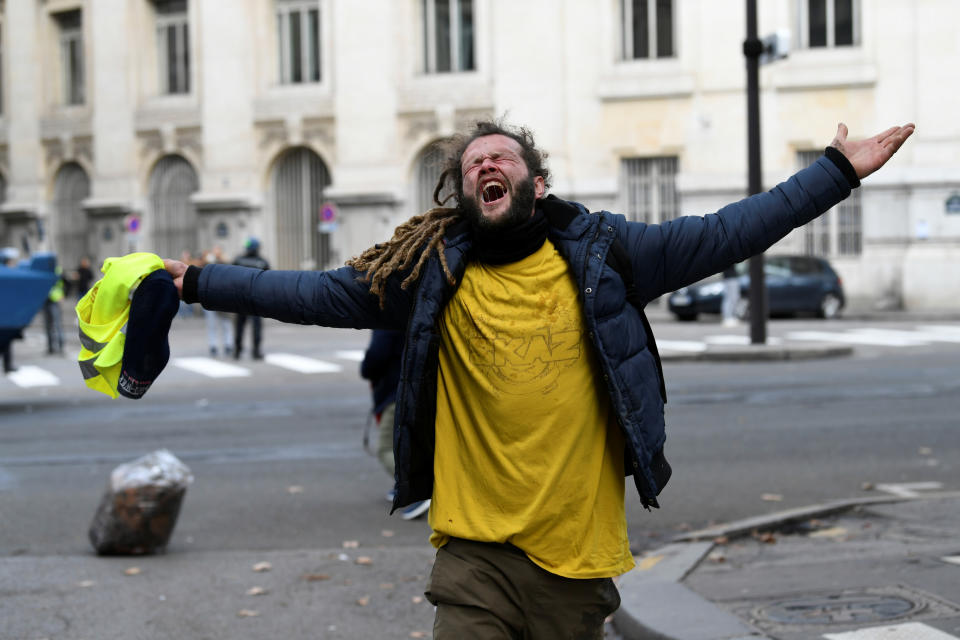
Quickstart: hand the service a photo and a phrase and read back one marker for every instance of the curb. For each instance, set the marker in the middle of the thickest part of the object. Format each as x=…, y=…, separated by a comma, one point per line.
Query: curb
x=655, y=605
x=760, y=353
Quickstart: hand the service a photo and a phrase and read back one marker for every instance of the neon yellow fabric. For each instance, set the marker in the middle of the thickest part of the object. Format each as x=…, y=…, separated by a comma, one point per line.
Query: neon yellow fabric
x=102, y=315
x=525, y=449
x=56, y=291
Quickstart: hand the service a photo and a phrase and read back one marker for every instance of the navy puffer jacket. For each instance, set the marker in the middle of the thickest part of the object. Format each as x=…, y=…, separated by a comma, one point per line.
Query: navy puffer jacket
x=664, y=258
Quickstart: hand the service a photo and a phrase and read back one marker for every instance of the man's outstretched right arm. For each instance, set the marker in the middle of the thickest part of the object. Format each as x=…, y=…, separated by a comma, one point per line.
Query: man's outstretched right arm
x=336, y=298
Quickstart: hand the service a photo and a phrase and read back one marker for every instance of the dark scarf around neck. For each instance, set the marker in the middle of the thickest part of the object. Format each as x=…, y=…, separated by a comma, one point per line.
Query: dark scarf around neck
x=511, y=245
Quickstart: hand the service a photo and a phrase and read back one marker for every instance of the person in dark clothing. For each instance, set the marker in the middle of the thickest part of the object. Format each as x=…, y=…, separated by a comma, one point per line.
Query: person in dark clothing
x=83, y=277
x=251, y=258
x=9, y=260
x=381, y=366
x=529, y=382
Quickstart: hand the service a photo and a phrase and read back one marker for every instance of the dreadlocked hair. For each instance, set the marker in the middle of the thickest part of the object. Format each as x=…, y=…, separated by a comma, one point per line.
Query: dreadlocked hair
x=424, y=232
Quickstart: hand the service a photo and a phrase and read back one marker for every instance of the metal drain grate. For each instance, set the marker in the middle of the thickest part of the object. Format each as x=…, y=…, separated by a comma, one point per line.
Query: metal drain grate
x=843, y=608
x=838, y=609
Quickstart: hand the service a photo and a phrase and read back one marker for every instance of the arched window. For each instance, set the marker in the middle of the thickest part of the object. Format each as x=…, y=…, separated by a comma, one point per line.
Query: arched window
x=429, y=168
x=173, y=217
x=297, y=185
x=70, y=188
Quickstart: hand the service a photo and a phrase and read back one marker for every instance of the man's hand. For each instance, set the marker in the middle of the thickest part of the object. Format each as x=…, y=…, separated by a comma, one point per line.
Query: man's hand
x=868, y=155
x=176, y=269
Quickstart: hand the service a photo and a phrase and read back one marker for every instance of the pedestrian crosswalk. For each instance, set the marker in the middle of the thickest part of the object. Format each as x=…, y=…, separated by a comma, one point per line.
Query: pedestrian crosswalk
x=30, y=376
x=917, y=336
x=907, y=631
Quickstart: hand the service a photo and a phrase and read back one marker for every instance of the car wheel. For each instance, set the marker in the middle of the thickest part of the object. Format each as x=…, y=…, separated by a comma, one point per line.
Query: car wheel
x=830, y=306
x=686, y=317
x=742, y=310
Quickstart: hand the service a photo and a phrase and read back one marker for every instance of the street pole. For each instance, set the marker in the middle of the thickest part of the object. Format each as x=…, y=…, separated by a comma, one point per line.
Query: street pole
x=752, y=48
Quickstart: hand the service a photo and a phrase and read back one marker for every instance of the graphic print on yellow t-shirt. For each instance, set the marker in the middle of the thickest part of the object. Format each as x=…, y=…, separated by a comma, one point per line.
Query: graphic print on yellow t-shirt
x=525, y=452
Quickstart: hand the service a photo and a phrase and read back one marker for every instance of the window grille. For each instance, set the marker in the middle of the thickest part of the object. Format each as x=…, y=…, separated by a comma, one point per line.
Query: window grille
x=71, y=57
x=173, y=216
x=448, y=35
x=299, y=179
x=298, y=35
x=829, y=23
x=839, y=231
x=649, y=192
x=648, y=29
x=70, y=188
x=173, y=46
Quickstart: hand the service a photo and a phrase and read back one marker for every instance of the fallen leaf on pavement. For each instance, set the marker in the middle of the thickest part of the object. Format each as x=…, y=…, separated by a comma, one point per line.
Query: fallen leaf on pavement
x=832, y=532
x=260, y=567
x=387, y=533
x=386, y=585
x=256, y=591
x=722, y=540
x=418, y=634
x=86, y=583
x=771, y=497
x=350, y=544
x=132, y=571
x=717, y=556
x=364, y=601
x=248, y=613
x=315, y=577
x=417, y=599
x=866, y=486
x=364, y=560
x=294, y=489
x=925, y=451
x=766, y=537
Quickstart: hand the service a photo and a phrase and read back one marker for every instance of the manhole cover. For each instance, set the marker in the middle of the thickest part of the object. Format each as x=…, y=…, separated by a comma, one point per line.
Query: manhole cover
x=838, y=609
x=818, y=611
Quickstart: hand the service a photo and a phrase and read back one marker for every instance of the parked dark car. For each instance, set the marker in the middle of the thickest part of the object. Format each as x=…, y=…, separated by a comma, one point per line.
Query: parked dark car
x=795, y=285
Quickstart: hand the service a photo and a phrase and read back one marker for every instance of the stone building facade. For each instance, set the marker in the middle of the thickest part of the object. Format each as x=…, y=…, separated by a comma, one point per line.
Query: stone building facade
x=173, y=125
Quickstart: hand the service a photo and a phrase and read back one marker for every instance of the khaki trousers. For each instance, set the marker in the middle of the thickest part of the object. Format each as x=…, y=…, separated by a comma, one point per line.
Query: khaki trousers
x=486, y=591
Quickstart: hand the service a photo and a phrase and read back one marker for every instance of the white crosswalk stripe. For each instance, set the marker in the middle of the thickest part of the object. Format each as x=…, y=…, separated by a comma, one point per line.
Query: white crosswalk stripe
x=687, y=346
x=355, y=355
x=31, y=376
x=919, y=336
x=211, y=368
x=301, y=364
x=908, y=631
x=859, y=337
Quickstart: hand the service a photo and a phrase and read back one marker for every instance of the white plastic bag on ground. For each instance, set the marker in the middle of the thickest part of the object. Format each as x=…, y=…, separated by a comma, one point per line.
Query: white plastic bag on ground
x=140, y=507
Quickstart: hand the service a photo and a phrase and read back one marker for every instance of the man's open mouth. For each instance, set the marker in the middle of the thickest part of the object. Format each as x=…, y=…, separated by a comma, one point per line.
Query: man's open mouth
x=493, y=191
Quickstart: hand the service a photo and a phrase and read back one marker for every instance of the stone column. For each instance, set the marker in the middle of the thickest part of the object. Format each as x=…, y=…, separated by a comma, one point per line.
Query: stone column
x=23, y=106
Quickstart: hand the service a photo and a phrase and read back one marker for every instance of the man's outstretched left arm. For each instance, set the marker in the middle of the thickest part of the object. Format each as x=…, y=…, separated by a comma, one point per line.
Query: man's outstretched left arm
x=687, y=249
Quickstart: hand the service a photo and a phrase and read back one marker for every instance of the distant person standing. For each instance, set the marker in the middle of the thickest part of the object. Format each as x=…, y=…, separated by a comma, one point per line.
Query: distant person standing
x=219, y=323
x=250, y=258
x=83, y=277
x=381, y=366
x=53, y=316
x=7, y=259
x=731, y=296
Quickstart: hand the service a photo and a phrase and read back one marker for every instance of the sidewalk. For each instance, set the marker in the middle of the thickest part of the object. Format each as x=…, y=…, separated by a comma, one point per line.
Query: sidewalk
x=882, y=568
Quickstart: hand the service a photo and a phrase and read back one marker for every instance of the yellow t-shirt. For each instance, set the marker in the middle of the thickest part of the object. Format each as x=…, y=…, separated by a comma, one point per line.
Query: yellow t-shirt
x=526, y=452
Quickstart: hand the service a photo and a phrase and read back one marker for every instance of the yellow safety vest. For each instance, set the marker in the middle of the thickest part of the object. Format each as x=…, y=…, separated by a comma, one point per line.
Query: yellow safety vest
x=103, y=313
x=56, y=291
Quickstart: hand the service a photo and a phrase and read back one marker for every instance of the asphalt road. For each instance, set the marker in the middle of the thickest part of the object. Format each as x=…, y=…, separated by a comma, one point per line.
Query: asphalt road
x=278, y=460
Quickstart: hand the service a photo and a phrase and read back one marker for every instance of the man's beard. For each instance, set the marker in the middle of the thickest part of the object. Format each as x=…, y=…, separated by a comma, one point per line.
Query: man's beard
x=522, y=200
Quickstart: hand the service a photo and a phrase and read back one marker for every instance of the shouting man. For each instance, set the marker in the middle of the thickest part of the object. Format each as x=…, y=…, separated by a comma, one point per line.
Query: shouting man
x=527, y=390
